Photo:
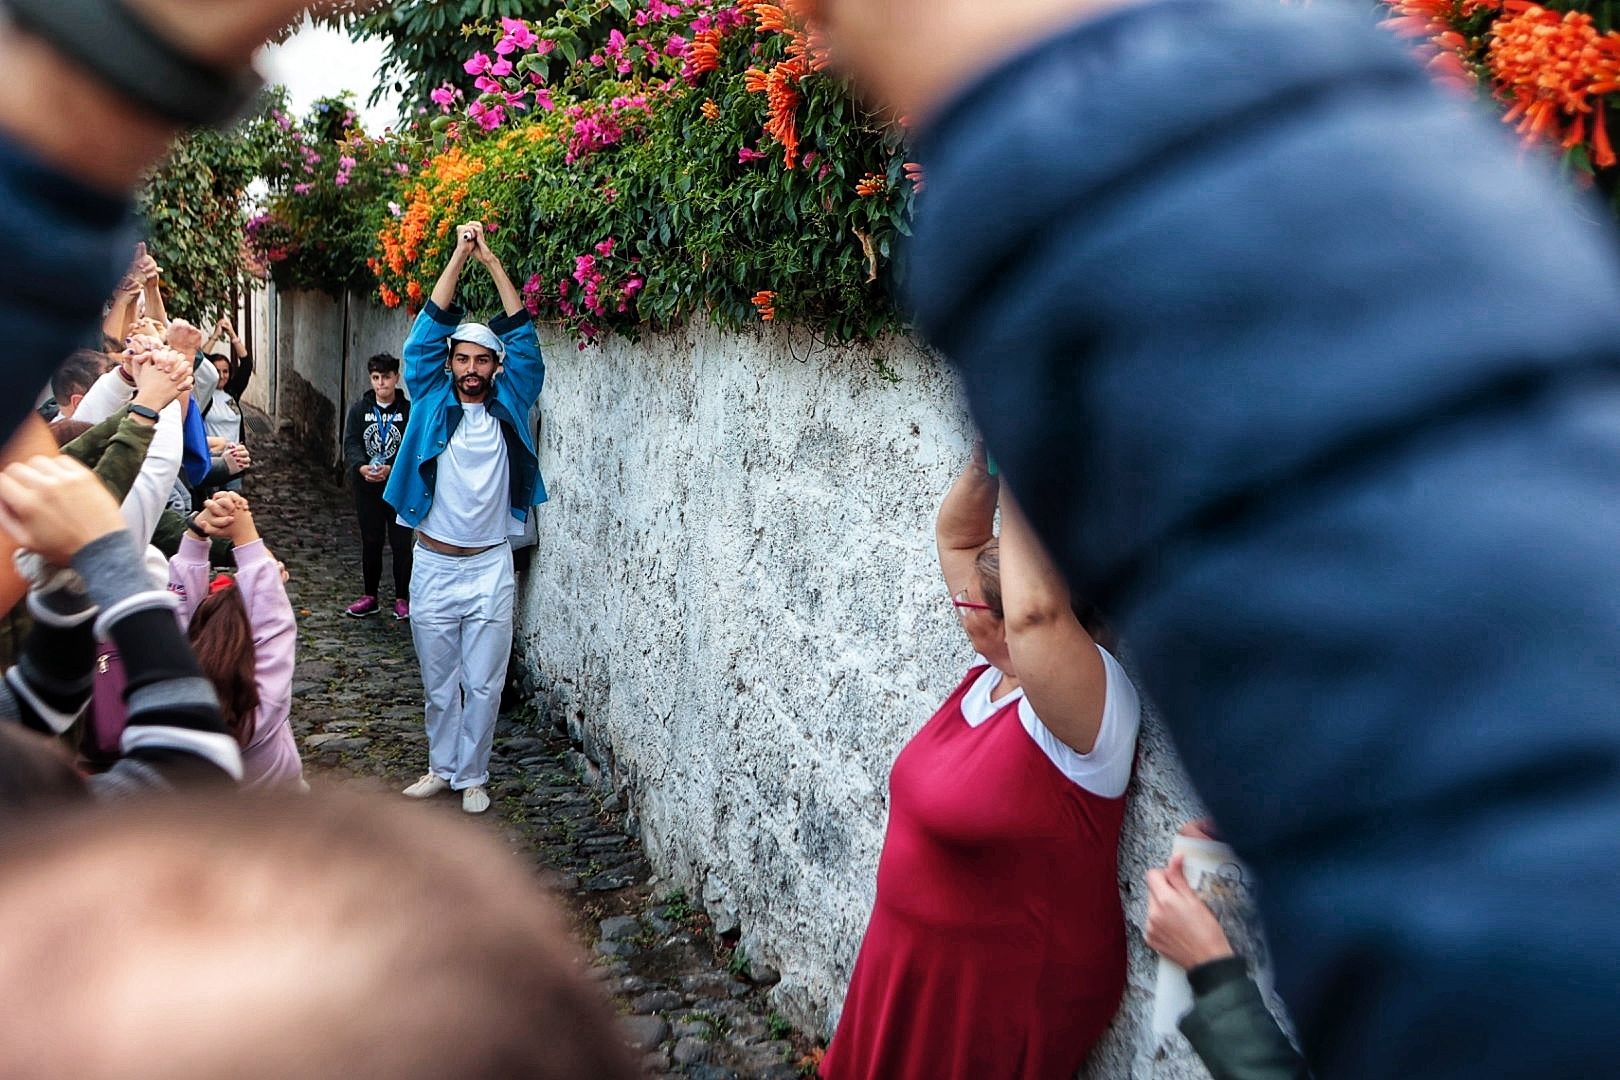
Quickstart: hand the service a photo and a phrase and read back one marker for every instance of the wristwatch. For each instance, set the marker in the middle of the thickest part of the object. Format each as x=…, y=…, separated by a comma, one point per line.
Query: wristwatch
x=137, y=409
x=191, y=524
x=123, y=50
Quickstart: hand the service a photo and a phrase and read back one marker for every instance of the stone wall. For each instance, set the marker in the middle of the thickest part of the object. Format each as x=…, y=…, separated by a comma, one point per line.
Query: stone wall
x=737, y=609
x=736, y=612
x=311, y=351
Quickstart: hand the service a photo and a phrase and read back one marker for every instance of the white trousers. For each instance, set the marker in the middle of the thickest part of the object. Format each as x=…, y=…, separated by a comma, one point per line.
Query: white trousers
x=461, y=621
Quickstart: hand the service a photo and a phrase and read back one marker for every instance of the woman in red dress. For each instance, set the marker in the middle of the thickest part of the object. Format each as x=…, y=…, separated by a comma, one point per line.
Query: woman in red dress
x=997, y=944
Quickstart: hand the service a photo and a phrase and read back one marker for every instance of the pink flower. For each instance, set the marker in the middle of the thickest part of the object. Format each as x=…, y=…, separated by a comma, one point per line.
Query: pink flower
x=445, y=97
x=747, y=156
x=677, y=47
x=341, y=179
x=542, y=98
x=478, y=65
x=605, y=248
x=488, y=117
x=487, y=85
x=633, y=286
x=303, y=189
x=516, y=37
x=501, y=68
x=544, y=47
x=346, y=163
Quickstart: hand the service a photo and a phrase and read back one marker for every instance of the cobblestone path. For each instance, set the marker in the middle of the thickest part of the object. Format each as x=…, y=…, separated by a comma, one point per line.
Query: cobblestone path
x=688, y=1006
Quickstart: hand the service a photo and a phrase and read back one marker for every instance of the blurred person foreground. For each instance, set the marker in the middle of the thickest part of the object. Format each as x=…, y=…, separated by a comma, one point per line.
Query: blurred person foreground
x=323, y=936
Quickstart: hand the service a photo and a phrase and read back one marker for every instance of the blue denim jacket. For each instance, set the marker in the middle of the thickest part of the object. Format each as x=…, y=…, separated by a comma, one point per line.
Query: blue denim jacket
x=1313, y=377
x=436, y=412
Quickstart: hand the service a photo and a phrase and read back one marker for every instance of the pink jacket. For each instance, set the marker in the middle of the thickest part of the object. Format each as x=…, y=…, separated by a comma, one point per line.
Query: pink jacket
x=271, y=757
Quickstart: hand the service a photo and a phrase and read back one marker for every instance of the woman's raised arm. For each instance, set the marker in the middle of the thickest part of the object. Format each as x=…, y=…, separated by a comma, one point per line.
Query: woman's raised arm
x=967, y=521
x=1057, y=662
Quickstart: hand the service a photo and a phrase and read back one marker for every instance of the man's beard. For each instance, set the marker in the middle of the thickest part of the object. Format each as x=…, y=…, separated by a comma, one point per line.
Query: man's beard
x=473, y=386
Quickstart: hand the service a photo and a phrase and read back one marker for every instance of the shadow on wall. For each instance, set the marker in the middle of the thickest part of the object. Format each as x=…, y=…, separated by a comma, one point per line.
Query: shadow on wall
x=311, y=414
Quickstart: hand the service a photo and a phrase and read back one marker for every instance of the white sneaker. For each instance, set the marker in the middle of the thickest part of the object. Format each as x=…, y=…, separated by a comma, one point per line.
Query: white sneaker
x=475, y=800
x=427, y=787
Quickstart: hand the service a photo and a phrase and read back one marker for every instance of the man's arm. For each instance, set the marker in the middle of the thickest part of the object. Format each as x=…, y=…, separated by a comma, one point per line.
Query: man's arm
x=444, y=291
x=524, y=368
x=511, y=299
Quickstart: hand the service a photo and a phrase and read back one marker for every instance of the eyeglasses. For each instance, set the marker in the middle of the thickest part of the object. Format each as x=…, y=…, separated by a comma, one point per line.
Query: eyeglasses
x=960, y=601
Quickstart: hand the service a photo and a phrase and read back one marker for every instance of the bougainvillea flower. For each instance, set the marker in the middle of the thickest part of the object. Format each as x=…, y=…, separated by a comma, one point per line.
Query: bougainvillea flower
x=445, y=97
x=515, y=37
x=747, y=155
x=478, y=65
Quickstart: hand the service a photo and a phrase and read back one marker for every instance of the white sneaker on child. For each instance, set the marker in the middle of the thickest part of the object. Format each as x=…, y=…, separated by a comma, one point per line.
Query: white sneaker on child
x=475, y=800
x=427, y=787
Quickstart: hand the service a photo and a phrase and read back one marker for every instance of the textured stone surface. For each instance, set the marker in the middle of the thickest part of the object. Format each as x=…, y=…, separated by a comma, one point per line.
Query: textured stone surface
x=741, y=617
x=644, y=1032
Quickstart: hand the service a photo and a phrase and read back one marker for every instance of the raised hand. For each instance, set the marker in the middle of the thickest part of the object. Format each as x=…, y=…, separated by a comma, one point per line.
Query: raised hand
x=54, y=507
x=184, y=338
x=216, y=517
x=471, y=241
x=158, y=380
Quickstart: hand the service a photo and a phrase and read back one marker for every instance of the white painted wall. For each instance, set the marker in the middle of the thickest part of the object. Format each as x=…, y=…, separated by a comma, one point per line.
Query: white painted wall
x=736, y=609
x=736, y=603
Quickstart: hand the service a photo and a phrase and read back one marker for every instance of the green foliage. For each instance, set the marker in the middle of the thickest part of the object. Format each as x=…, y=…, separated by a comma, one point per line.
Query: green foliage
x=651, y=194
x=194, y=207
x=329, y=185
x=427, y=40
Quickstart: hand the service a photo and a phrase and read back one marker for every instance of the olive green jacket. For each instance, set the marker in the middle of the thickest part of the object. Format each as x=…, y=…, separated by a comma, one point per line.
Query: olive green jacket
x=1231, y=1030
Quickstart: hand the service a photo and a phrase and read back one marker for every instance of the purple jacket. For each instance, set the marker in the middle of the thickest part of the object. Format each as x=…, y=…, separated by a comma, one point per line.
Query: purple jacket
x=271, y=757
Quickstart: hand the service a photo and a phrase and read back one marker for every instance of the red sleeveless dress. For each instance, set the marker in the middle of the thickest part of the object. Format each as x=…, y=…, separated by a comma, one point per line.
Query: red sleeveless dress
x=997, y=944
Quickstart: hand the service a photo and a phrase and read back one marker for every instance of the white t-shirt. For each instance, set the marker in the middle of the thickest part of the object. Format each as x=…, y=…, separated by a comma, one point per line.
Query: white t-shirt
x=472, y=495
x=224, y=419
x=1106, y=771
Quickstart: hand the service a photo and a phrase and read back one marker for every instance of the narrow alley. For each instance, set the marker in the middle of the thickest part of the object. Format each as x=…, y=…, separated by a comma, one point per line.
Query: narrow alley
x=691, y=1004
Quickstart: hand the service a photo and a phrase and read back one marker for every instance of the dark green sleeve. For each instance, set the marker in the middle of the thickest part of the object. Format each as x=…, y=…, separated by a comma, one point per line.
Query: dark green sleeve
x=1231, y=1030
x=166, y=537
x=88, y=448
x=115, y=449
x=171, y=529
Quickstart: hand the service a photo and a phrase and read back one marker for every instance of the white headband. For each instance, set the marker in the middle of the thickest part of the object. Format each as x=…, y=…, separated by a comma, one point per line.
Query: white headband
x=479, y=334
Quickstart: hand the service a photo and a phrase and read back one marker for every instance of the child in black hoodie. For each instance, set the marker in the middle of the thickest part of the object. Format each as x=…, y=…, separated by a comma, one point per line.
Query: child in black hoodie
x=371, y=440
